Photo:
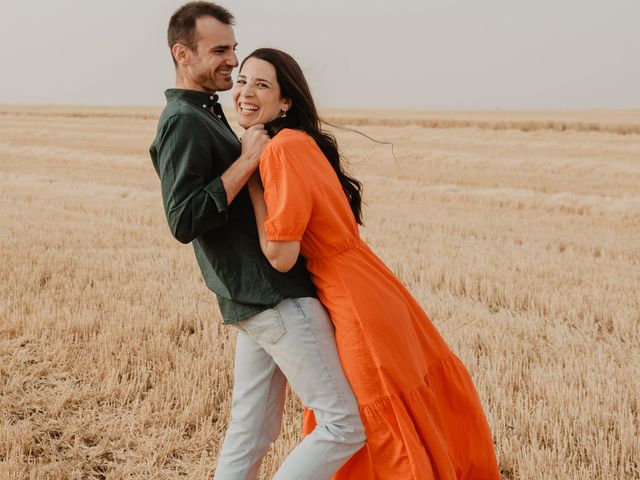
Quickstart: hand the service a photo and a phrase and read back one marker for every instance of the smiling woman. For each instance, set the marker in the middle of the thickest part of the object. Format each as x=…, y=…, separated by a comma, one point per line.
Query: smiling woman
x=257, y=95
x=421, y=413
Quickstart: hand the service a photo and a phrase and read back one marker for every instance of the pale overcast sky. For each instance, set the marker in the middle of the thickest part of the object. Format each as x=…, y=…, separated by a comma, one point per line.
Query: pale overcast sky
x=441, y=54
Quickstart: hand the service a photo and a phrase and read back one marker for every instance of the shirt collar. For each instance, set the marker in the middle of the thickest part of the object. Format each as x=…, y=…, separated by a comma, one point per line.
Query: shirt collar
x=200, y=99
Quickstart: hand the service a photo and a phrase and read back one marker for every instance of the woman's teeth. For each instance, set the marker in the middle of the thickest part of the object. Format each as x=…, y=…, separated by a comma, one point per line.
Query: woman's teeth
x=248, y=108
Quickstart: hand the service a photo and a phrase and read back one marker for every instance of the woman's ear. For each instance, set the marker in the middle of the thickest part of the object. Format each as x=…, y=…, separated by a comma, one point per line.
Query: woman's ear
x=285, y=105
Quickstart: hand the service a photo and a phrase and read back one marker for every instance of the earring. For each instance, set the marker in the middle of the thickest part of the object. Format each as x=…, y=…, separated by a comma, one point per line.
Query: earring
x=283, y=114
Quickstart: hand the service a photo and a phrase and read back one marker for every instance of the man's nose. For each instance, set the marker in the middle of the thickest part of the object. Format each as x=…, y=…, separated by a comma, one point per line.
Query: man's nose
x=233, y=60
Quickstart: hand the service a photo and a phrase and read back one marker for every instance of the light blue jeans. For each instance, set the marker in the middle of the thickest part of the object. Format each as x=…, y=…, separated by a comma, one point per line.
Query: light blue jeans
x=292, y=342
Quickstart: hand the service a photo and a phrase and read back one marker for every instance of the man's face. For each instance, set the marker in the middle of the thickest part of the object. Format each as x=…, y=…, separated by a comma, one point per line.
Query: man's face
x=210, y=66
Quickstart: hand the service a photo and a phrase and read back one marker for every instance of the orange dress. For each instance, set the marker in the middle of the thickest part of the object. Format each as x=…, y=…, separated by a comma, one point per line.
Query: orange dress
x=422, y=416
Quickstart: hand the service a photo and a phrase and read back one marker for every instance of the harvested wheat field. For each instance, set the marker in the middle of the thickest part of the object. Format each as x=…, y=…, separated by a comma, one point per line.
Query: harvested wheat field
x=519, y=233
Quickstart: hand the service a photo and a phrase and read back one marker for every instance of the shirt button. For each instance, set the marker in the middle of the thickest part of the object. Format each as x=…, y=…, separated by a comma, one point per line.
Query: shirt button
x=219, y=116
x=211, y=97
x=204, y=106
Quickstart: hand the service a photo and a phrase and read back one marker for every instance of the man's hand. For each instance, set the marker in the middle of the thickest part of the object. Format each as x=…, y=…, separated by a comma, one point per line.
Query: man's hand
x=254, y=141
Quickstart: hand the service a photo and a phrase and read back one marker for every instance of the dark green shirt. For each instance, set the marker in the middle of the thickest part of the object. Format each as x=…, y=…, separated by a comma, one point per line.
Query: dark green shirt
x=194, y=145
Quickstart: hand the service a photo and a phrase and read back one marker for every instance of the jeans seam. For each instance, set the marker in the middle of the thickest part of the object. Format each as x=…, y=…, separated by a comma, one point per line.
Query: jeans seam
x=322, y=356
x=281, y=324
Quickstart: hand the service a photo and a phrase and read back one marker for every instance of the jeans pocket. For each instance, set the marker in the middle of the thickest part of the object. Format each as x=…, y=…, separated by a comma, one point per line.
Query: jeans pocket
x=266, y=328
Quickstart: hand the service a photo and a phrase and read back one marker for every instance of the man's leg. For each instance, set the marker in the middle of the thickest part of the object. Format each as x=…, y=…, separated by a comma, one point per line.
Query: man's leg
x=256, y=413
x=299, y=336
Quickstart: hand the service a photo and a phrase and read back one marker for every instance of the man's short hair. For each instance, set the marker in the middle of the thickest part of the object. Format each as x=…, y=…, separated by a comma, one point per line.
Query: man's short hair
x=182, y=25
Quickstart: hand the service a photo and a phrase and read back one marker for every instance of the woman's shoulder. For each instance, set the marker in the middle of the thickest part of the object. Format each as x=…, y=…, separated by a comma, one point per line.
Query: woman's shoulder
x=288, y=145
x=290, y=149
x=289, y=138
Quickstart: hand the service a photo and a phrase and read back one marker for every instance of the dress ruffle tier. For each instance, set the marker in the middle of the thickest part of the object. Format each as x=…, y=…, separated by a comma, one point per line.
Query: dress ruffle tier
x=420, y=409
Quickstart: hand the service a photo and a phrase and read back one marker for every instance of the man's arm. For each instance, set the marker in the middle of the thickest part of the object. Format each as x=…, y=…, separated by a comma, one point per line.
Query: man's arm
x=194, y=203
x=254, y=141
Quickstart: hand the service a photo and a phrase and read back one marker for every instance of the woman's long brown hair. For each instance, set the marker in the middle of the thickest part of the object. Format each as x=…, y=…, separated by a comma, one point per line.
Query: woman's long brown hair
x=303, y=115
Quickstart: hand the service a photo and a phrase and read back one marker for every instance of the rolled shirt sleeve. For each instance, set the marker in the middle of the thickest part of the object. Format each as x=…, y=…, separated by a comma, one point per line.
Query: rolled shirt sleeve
x=194, y=202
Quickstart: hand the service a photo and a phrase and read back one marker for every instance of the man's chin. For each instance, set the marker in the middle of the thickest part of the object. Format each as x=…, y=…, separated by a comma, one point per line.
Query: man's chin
x=224, y=86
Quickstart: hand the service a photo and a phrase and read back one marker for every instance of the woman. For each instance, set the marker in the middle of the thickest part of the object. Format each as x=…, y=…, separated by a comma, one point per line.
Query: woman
x=421, y=413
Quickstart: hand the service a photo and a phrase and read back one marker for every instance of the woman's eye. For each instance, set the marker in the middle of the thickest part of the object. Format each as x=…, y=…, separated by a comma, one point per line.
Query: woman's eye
x=240, y=82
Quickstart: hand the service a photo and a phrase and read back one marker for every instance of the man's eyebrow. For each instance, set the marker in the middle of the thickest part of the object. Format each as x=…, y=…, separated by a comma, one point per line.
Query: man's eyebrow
x=223, y=47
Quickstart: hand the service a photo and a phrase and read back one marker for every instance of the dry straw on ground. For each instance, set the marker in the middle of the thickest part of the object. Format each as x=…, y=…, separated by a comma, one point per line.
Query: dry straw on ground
x=519, y=233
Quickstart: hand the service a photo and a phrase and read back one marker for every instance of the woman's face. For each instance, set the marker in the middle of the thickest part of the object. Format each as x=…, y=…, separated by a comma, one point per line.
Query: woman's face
x=257, y=94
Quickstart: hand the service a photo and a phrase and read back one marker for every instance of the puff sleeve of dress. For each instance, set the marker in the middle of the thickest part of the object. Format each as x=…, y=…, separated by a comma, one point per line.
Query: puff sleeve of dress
x=287, y=192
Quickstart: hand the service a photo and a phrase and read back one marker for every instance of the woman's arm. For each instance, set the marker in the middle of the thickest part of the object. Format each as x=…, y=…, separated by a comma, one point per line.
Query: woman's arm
x=281, y=255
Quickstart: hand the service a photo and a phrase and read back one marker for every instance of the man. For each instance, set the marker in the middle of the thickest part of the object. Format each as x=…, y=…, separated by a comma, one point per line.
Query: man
x=284, y=333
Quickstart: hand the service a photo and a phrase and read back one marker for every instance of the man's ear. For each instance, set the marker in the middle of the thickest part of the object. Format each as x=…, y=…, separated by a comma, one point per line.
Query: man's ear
x=181, y=54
